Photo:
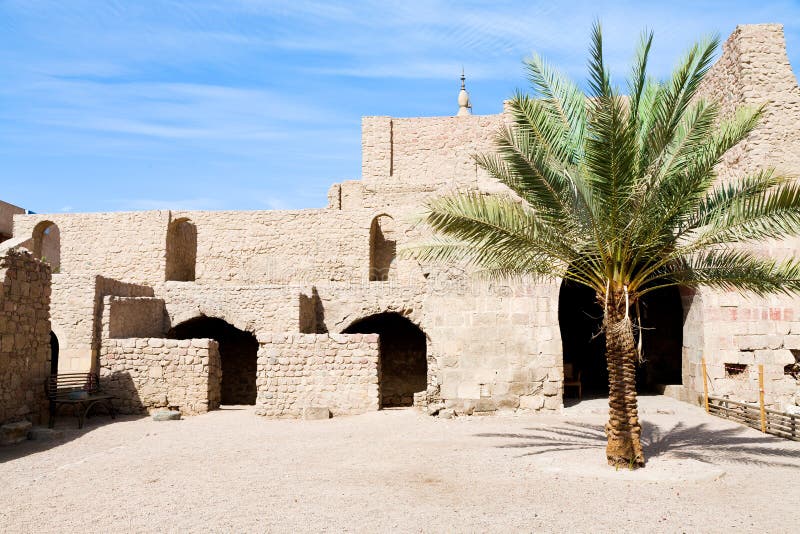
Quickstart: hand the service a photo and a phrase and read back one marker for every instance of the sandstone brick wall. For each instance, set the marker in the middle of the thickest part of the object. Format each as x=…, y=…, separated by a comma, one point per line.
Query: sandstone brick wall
x=127, y=246
x=24, y=335
x=406, y=160
x=725, y=328
x=501, y=344
x=505, y=338
x=127, y=317
x=280, y=247
x=77, y=310
x=754, y=70
x=255, y=308
x=336, y=371
x=150, y=373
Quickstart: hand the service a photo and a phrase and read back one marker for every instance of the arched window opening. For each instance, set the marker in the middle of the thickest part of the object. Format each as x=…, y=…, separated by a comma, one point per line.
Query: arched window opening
x=580, y=318
x=238, y=352
x=181, y=251
x=382, y=248
x=47, y=244
x=53, y=353
x=403, y=364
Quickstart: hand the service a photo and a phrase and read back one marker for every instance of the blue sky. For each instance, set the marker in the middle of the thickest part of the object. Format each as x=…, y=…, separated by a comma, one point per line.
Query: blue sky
x=247, y=104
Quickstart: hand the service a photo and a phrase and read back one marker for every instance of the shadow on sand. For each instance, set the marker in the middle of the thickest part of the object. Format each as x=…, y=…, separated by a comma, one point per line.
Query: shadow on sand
x=67, y=427
x=701, y=442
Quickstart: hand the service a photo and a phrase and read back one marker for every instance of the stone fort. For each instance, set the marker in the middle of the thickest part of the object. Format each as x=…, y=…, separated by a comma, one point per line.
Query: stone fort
x=287, y=310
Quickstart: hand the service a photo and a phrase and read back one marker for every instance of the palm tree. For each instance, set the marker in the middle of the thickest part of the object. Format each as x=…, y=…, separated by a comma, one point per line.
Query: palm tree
x=619, y=193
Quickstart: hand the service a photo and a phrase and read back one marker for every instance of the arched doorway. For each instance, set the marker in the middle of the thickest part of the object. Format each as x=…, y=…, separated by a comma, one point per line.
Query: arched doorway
x=403, y=366
x=47, y=244
x=53, y=353
x=580, y=319
x=181, y=251
x=238, y=351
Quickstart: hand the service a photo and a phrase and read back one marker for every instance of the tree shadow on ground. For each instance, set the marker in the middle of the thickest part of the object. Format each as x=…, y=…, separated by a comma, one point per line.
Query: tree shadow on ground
x=68, y=431
x=702, y=442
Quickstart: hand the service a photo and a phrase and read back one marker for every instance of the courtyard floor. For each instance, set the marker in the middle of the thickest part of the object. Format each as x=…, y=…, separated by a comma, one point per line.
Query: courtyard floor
x=400, y=471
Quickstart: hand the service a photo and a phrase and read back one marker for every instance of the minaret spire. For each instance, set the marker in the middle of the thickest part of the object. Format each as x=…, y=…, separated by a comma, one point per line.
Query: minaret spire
x=464, y=105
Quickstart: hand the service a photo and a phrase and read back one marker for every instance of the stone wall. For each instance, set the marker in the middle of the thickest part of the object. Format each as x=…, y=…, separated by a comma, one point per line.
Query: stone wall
x=406, y=160
x=754, y=70
x=77, y=311
x=127, y=246
x=297, y=371
x=256, y=308
x=280, y=247
x=500, y=342
x=127, y=317
x=24, y=335
x=149, y=373
x=7, y=212
x=725, y=328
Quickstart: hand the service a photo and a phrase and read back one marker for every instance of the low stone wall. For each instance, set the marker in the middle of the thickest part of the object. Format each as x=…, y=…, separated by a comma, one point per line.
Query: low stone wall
x=126, y=317
x=24, y=335
x=149, y=373
x=297, y=371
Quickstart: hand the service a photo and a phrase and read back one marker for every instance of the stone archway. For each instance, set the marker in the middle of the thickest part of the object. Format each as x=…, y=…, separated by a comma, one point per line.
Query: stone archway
x=403, y=366
x=47, y=244
x=238, y=351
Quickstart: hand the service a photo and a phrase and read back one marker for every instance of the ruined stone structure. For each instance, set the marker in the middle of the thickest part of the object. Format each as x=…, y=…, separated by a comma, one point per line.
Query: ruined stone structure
x=190, y=309
x=24, y=335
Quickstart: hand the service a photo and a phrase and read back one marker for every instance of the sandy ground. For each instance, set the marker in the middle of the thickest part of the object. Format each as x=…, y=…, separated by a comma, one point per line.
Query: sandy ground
x=400, y=471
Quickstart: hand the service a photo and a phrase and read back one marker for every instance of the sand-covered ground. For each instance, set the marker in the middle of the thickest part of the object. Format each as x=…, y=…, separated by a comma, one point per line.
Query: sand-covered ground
x=400, y=471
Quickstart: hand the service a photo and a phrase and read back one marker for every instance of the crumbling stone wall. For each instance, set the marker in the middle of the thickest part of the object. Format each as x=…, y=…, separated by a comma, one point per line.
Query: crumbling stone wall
x=24, y=335
x=337, y=371
x=149, y=373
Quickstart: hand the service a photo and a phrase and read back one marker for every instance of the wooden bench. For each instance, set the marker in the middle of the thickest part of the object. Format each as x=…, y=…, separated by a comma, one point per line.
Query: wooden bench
x=80, y=390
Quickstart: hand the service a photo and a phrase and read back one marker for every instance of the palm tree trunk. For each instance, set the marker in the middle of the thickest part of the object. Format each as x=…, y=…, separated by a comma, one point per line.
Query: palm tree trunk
x=624, y=432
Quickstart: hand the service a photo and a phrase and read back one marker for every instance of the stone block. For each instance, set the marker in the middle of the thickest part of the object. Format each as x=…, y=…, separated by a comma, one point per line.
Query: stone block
x=532, y=402
x=447, y=413
x=12, y=433
x=506, y=402
x=485, y=405
x=166, y=415
x=312, y=413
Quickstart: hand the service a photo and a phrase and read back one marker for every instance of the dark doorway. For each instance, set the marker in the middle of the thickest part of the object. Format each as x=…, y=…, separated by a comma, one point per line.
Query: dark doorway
x=403, y=367
x=53, y=354
x=662, y=339
x=580, y=318
x=238, y=351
